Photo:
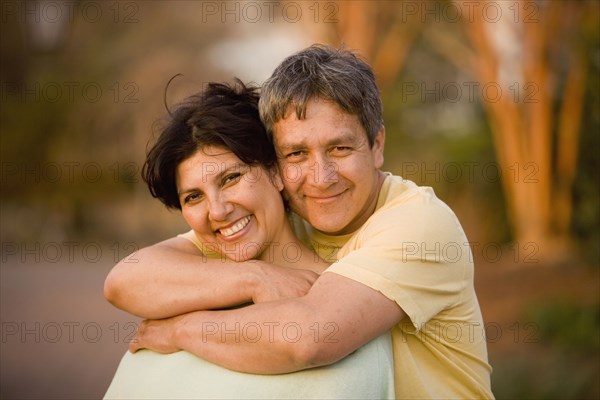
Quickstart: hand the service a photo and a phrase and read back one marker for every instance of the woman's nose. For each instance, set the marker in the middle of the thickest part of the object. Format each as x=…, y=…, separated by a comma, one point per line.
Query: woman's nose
x=219, y=207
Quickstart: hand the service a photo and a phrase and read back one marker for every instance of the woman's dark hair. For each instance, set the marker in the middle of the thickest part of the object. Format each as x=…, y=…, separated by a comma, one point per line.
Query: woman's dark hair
x=222, y=115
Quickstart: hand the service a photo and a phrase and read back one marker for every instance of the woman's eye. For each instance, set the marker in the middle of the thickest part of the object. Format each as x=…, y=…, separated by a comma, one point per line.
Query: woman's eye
x=232, y=178
x=192, y=197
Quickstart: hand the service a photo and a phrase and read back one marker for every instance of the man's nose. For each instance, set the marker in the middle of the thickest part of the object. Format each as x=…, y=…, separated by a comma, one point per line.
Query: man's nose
x=323, y=173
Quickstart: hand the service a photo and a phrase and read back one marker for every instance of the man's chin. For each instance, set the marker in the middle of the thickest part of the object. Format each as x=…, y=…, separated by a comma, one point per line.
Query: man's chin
x=328, y=228
x=324, y=222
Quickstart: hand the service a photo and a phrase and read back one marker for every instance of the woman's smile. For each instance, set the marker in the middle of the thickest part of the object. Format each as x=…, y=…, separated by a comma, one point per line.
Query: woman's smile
x=232, y=203
x=236, y=229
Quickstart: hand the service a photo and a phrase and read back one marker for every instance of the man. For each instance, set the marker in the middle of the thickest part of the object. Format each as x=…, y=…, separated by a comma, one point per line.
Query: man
x=402, y=261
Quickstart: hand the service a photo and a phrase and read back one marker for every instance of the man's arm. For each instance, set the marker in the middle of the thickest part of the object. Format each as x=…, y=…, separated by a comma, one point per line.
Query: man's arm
x=173, y=277
x=336, y=317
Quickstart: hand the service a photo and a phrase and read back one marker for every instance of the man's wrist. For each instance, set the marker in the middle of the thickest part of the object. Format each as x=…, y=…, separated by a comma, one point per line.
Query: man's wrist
x=179, y=331
x=252, y=280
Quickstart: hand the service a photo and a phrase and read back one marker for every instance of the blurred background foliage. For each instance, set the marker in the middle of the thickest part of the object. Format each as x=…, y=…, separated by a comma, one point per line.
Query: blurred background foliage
x=80, y=95
x=82, y=90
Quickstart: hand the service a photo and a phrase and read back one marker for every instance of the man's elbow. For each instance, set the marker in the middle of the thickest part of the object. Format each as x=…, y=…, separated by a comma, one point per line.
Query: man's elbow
x=313, y=351
x=307, y=341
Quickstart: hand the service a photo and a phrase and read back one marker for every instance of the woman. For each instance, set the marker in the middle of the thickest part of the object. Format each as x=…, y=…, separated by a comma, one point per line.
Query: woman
x=216, y=164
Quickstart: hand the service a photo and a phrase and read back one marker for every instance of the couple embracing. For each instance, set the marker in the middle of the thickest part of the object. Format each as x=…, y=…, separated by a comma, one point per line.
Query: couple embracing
x=308, y=272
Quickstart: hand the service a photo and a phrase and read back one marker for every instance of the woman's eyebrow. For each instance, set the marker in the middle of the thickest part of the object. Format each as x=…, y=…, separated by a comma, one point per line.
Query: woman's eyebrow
x=218, y=176
x=186, y=191
x=237, y=167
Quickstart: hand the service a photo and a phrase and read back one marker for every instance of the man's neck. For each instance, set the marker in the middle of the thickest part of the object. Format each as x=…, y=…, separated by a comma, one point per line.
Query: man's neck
x=289, y=251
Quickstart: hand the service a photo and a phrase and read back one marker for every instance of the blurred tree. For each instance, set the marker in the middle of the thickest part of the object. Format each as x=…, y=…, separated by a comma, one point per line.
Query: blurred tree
x=383, y=34
x=528, y=49
x=529, y=60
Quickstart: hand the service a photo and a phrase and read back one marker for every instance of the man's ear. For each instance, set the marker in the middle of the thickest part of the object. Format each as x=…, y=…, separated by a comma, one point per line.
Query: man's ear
x=378, y=147
x=276, y=178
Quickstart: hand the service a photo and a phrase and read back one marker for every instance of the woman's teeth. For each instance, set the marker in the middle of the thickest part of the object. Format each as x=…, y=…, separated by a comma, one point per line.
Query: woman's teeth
x=236, y=228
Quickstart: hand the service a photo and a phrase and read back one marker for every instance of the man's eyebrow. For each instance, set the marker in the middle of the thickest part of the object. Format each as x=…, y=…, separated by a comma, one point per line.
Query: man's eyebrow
x=348, y=138
x=291, y=146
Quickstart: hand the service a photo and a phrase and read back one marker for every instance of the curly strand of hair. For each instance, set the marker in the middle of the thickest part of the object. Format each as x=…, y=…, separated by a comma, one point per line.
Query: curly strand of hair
x=165, y=92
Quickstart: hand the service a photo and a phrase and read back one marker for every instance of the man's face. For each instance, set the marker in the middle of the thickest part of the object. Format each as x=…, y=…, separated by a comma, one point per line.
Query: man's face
x=331, y=175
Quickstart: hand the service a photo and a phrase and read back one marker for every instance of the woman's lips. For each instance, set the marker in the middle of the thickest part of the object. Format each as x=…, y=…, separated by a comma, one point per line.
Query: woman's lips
x=236, y=227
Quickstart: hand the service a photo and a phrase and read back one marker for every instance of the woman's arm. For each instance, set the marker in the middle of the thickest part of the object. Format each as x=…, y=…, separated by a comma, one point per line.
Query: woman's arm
x=173, y=277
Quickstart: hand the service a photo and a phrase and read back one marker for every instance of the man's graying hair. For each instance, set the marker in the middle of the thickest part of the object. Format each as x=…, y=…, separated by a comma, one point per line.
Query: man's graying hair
x=327, y=73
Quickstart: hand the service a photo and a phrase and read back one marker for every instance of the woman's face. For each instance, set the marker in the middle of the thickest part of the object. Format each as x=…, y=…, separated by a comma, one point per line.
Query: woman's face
x=234, y=209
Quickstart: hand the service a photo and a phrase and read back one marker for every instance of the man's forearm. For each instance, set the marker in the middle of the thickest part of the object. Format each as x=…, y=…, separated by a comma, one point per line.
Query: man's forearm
x=336, y=317
x=261, y=339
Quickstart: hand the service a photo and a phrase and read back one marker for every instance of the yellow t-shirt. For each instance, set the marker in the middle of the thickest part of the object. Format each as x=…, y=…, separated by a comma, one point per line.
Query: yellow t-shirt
x=415, y=252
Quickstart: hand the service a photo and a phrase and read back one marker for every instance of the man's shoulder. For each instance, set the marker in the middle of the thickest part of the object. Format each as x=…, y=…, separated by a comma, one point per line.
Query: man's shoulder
x=406, y=207
x=397, y=191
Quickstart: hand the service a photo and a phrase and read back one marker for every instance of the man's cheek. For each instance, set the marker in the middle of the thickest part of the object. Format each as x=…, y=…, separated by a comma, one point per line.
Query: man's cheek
x=291, y=174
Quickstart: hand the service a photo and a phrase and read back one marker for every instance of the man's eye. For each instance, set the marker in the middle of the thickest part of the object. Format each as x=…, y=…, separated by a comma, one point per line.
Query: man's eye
x=340, y=150
x=295, y=154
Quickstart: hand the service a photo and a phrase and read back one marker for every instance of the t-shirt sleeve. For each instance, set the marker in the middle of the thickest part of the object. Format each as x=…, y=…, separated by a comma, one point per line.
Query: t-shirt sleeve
x=415, y=254
x=191, y=236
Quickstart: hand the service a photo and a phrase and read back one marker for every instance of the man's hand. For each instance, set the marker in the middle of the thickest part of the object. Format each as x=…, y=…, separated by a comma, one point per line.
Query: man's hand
x=156, y=335
x=276, y=283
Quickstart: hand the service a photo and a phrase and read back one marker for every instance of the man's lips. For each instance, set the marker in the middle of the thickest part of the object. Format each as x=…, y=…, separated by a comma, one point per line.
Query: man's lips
x=320, y=199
